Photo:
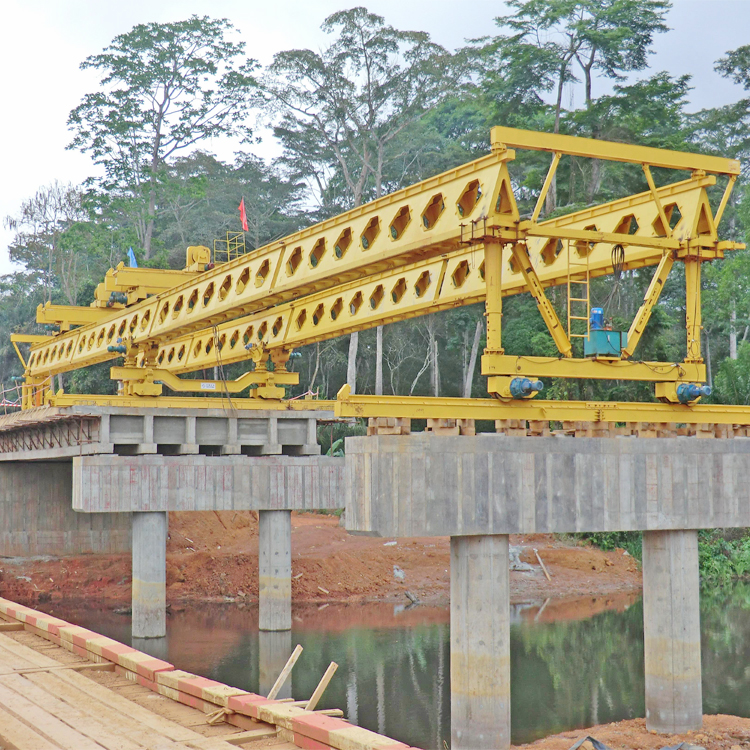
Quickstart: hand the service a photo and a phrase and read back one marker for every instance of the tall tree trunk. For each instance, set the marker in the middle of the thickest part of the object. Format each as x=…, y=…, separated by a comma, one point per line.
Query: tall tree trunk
x=435, y=368
x=379, y=361
x=317, y=365
x=351, y=365
x=472, y=360
x=733, y=332
x=149, y=224
x=550, y=202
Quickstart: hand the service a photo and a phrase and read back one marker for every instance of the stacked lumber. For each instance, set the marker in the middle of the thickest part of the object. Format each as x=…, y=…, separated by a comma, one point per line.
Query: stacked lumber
x=451, y=426
x=389, y=426
x=541, y=428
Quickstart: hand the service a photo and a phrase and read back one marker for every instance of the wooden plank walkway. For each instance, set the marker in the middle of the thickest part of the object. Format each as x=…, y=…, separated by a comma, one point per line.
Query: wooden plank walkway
x=63, y=687
x=46, y=706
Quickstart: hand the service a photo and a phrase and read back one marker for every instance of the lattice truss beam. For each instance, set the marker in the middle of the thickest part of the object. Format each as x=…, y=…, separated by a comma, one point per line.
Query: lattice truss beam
x=452, y=240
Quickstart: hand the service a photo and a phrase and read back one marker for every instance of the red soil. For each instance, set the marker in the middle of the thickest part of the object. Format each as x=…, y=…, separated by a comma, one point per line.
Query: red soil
x=213, y=556
x=720, y=732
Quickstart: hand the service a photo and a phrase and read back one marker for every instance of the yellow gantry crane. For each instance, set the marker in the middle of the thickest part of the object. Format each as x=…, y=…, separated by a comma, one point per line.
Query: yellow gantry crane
x=452, y=240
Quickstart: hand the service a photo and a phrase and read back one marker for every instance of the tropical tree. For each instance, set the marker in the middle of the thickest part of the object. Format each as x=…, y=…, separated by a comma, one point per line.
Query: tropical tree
x=49, y=229
x=342, y=108
x=549, y=41
x=164, y=88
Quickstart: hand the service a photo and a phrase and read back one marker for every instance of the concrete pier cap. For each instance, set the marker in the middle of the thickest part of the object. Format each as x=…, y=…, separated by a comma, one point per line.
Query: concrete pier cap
x=478, y=490
x=150, y=486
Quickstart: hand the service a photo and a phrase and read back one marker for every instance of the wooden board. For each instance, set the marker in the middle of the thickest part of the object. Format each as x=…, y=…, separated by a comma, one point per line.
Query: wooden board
x=53, y=706
x=16, y=735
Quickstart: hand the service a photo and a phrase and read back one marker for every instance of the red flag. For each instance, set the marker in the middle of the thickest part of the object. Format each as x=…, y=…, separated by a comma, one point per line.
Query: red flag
x=243, y=215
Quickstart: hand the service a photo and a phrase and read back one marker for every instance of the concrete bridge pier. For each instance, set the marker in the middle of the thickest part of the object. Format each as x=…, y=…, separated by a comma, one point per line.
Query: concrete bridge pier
x=275, y=569
x=671, y=630
x=149, y=593
x=480, y=643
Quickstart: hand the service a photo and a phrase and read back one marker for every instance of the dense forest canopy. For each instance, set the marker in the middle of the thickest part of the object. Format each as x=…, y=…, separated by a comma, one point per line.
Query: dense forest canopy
x=375, y=110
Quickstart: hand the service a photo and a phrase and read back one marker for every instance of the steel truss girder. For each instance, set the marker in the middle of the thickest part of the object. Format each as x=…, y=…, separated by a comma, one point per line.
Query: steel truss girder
x=415, y=407
x=455, y=279
x=334, y=254
x=595, y=369
x=188, y=402
x=422, y=220
x=592, y=148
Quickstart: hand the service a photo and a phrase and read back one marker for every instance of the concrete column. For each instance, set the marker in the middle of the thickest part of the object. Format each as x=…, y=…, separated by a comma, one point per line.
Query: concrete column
x=274, y=649
x=480, y=643
x=671, y=629
x=275, y=570
x=149, y=575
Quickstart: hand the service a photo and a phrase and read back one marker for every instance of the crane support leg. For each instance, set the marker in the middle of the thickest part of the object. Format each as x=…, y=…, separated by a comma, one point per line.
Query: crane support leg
x=693, y=309
x=493, y=279
x=651, y=297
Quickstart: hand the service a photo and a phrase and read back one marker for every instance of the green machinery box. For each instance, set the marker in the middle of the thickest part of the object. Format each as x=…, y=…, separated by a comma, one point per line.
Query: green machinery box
x=604, y=343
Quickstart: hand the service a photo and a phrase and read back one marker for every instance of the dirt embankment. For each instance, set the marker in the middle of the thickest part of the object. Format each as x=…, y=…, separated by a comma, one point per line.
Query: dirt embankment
x=214, y=556
x=720, y=732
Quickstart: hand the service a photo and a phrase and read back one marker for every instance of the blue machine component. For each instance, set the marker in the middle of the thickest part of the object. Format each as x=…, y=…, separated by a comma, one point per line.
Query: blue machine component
x=604, y=343
x=596, y=319
x=523, y=387
x=687, y=392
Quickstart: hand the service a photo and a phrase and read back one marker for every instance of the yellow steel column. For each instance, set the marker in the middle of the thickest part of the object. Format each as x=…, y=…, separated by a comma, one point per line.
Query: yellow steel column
x=493, y=278
x=693, y=309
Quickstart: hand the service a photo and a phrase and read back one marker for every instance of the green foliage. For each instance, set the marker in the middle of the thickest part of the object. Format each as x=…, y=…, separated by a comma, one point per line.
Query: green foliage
x=722, y=560
x=332, y=436
x=723, y=556
x=341, y=110
x=732, y=381
x=164, y=88
x=631, y=541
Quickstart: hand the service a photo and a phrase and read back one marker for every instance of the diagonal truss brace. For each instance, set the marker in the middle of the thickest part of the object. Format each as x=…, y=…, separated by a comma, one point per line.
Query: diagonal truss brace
x=649, y=300
x=520, y=254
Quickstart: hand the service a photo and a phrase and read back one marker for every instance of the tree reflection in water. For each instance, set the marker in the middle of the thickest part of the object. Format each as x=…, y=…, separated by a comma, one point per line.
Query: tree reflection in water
x=394, y=666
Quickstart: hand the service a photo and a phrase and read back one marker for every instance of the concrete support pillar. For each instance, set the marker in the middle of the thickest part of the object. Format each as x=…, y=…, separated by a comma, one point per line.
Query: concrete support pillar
x=275, y=570
x=671, y=629
x=480, y=643
x=149, y=575
x=274, y=649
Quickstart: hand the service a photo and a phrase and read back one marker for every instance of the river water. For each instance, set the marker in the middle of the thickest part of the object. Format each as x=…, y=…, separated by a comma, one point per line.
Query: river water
x=574, y=663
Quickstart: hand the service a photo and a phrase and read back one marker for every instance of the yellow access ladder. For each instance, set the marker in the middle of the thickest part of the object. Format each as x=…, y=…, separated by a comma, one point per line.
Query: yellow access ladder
x=578, y=279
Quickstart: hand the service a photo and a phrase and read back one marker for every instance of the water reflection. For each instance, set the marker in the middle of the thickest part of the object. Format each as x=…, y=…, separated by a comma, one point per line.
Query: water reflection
x=582, y=660
x=274, y=648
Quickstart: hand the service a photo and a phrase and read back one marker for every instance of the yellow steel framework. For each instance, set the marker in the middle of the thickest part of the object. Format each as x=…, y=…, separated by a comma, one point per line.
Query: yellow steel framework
x=230, y=248
x=451, y=240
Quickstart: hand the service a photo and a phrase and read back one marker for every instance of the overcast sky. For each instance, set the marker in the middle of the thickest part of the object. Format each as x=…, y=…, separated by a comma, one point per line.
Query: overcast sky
x=42, y=44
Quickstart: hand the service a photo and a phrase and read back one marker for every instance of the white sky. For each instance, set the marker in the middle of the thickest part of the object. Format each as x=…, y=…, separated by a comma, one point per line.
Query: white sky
x=42, y=44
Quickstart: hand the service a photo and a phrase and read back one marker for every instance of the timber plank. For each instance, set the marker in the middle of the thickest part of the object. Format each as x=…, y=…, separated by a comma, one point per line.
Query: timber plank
x=23, y=656
x=157, y=723
x=253, y=734
x=92, y=709
x=72, y=715
x=64, y=735
x=15, y=735
x=146, y=718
